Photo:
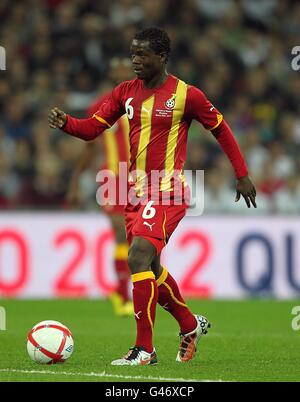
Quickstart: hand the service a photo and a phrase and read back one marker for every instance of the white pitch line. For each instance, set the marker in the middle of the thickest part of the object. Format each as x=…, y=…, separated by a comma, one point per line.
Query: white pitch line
x=104, y=375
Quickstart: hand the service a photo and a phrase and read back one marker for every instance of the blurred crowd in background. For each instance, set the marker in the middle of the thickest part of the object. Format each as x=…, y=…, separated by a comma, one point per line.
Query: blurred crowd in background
x=237, y=52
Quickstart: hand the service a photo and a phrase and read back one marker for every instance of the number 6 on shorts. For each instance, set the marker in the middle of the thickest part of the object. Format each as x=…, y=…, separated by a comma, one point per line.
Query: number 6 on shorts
x=149, y=211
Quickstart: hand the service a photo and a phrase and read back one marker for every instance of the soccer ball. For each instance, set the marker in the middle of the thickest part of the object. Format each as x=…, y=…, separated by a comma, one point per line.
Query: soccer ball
x=50, y=342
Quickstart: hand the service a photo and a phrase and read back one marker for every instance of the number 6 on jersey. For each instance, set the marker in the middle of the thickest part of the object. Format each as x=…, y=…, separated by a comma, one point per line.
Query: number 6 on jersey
x=149, y=211
x=129, y=109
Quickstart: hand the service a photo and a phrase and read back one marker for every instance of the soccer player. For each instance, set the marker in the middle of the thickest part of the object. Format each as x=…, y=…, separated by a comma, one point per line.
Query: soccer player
x=115, y=146
x=160, y=108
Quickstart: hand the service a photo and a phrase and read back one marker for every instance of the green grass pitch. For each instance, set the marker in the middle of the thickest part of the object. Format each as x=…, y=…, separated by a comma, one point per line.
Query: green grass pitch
x=249, y=341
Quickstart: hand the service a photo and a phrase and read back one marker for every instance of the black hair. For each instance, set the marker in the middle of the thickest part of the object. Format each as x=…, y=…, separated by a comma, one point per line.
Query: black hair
x=158, y=38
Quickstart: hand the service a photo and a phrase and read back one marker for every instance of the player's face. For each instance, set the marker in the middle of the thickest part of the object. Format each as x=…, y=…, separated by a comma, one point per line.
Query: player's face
x=146, y=63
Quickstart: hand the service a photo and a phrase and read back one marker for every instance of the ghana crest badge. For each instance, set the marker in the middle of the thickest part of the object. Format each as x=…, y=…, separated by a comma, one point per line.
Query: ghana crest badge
x=170, y=103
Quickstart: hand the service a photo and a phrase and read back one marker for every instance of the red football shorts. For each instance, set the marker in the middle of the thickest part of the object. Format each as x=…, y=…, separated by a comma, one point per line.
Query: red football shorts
x=156, y=223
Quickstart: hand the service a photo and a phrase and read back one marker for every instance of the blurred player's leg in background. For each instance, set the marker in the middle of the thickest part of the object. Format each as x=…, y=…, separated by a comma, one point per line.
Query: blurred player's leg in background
x=120, y=298
x=114, y=147
x=122, y=304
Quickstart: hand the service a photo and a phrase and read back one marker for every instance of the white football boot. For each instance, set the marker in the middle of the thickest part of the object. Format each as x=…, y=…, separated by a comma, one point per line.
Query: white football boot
x=137, y=356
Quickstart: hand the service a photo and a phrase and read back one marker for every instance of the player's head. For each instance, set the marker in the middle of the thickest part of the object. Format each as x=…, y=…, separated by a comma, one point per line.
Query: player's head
x=150, y=51
x=120, y=69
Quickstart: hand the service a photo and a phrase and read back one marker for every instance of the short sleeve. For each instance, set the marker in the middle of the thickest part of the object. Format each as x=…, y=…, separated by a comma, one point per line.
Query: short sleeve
x=198, y=107
x=111, y=109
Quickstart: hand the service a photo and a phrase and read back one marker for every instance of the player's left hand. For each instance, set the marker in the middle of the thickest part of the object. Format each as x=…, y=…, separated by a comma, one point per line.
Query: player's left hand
x=245, y=187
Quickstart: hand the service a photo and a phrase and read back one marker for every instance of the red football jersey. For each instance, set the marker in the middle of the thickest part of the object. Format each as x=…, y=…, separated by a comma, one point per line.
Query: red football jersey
x=159, y=120
x=115, y=141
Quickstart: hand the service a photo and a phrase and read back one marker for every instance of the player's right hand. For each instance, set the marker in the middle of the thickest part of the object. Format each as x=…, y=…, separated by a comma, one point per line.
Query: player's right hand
x=57, y=118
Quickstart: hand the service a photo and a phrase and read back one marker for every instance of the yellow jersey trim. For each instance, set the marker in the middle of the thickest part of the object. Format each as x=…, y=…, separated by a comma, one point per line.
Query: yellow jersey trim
x=145, y=134
x=101, y=120
x=220, y=118
x=181, y=94
x=164, y=226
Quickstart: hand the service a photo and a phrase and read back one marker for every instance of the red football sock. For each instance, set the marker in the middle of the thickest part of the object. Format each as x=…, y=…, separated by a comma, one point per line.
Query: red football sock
x=122, y=271
x=170, y=299
x=144, y=300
